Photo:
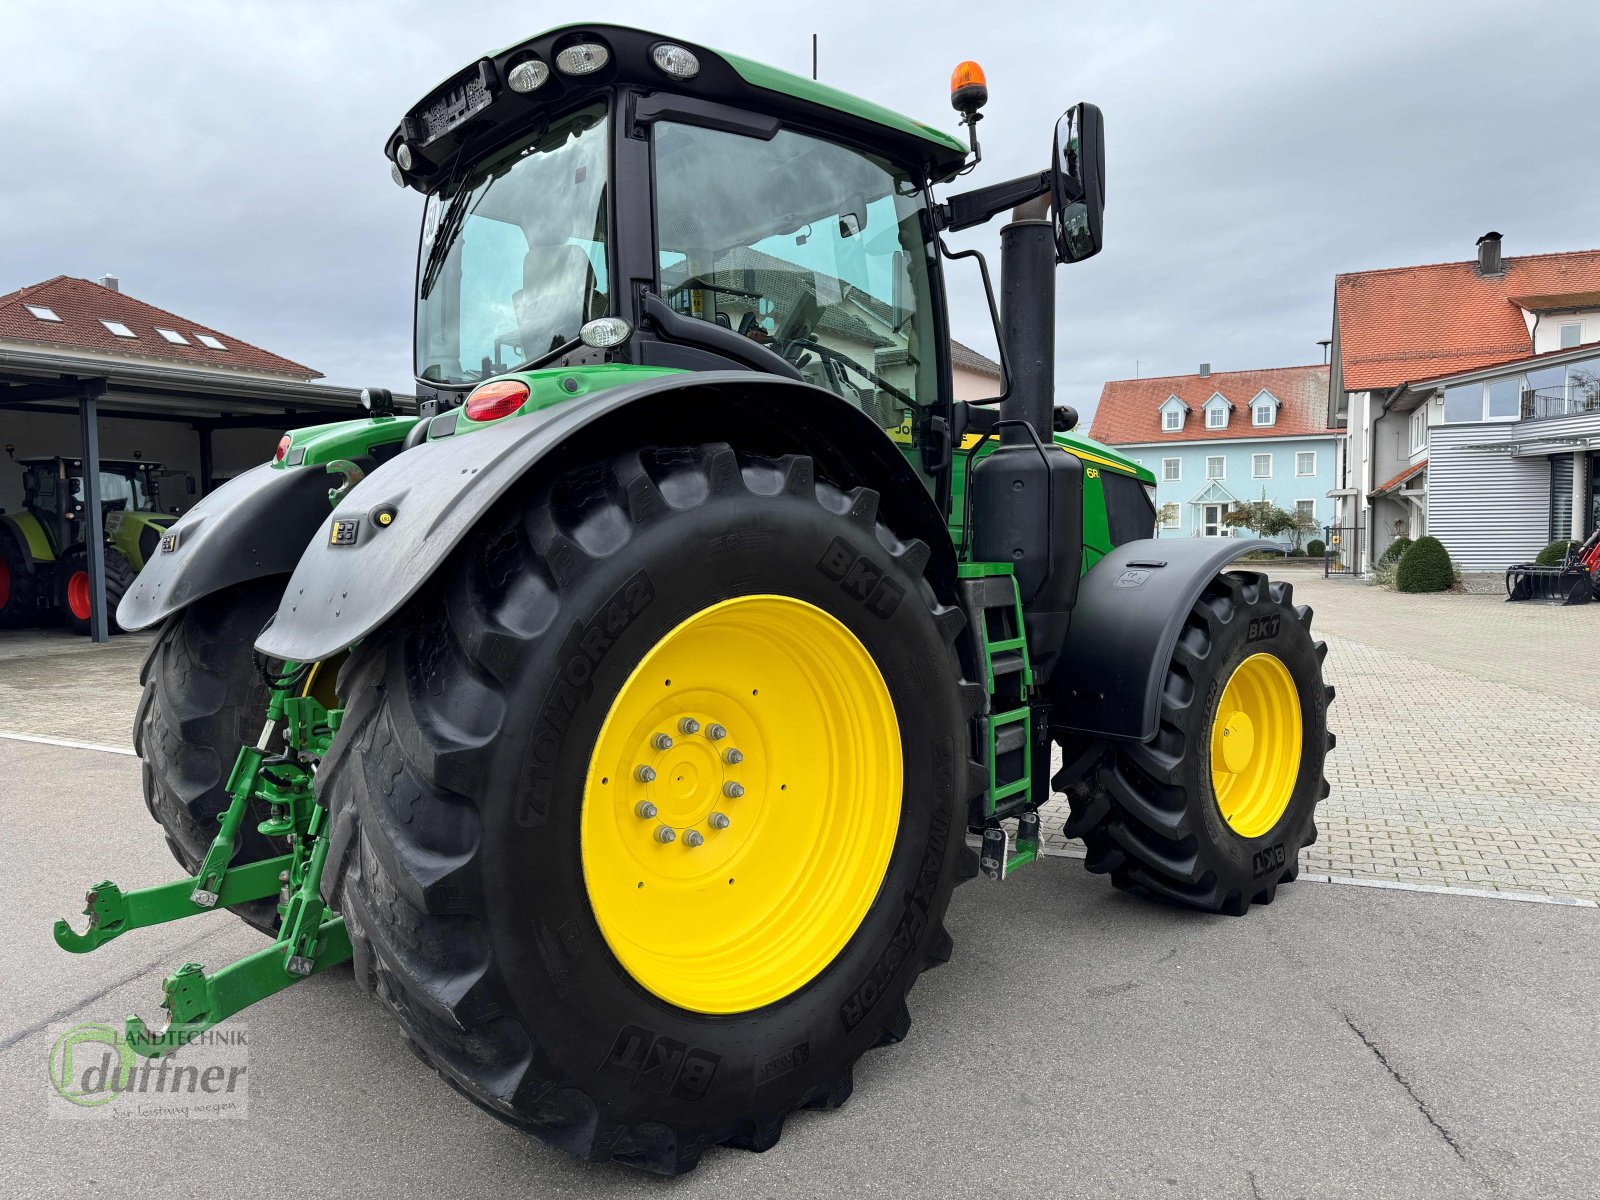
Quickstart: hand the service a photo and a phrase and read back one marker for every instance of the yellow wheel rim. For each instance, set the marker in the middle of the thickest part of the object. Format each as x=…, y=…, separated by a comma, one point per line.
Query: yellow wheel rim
x=759, y=734
x=1255, y=745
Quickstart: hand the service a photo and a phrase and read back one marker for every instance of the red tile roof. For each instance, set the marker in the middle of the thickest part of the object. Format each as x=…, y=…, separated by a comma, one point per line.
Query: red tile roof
x=1391, y=484
x=82, y=305
x=965, y=356
x=1410, y=323
x=1130, y=409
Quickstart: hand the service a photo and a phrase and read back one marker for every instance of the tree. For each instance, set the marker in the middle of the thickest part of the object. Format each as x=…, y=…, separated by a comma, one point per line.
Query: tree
x=1167, y=518
x=1260, y=516
x=1305, y=525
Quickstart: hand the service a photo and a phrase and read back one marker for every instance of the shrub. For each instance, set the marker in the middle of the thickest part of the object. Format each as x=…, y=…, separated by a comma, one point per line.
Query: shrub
x=1425, y=567
x=1395, y=550
x=1297, y=554
x=1315, y=548
x=1554, y=554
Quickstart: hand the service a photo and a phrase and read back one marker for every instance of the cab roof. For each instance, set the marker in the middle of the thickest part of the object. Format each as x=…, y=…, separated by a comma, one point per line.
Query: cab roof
x=474, y=111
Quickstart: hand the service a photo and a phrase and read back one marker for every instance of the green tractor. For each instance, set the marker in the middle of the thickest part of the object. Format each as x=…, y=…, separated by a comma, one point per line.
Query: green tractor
x=44, y=562
x=631, y=715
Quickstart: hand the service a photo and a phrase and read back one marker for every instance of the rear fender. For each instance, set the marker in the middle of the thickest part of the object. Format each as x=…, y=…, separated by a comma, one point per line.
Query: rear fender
x=1131, y=607
x=360, y=569
x=30, y=537
x=253, y=526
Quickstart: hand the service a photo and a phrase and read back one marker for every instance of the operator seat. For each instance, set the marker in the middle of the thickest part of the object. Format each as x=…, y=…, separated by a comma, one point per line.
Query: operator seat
x=559, y=294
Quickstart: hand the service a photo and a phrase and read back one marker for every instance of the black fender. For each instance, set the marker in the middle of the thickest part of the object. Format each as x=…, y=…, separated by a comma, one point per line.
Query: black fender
x=253, y=526
x=1131, y=607
x=399, y=524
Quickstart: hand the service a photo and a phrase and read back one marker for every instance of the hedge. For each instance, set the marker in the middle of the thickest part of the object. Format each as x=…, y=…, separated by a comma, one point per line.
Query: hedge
x=1425, y=567
x=1315, y=548
x=1554, y=554
x=1395, y=550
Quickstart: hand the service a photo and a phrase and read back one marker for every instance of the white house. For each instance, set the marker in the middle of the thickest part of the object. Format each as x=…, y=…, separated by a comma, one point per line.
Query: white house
x=1467, y=390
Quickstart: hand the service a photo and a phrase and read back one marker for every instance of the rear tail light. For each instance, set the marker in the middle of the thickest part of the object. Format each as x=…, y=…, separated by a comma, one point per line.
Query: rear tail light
x=498, y=399
x=283, y=448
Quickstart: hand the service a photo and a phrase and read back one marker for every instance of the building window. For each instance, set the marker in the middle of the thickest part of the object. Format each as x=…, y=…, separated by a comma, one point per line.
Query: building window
x=42, y=313
x=173, y=336
x=1169, y=516
x=1419, y=428
x=1216, y=417
x=1261, y=414
x=207, y=340
x=1306, y=508
x=1172, y=419
x=1305, y=462
x=1572, y=335
x=118, y=328
x=1505, y=398
x=1214, y=467
x=1261, y=466
x=1171, y=470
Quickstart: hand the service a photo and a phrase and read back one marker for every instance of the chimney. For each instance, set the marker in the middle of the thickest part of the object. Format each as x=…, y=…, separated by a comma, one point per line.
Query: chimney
x=1205, y=370
x=110, y=282
x=1489, y=261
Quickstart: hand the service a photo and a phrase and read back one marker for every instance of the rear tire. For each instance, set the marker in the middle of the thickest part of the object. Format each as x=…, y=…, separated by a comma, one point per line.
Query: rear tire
x=19, y=585
x=203, y=700
x=76, y=593
x=464, y=768
x=1150, y=817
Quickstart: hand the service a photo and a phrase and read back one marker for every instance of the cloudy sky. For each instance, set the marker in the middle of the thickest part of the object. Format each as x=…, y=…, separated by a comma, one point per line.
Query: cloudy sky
x=225, y=159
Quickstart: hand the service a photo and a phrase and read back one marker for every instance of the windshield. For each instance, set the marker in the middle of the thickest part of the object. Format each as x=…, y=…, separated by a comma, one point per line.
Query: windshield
x=513, y=258
x=127, y=490
x=814, y=250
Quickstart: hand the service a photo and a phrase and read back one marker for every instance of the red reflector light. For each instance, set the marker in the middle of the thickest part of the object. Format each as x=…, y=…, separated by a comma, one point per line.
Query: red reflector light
x=495, y=400
x=283, y=448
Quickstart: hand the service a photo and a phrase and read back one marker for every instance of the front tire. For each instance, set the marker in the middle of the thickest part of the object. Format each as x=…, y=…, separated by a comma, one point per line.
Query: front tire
x=495, y=868
x=76, y=592
x=1214, y=810
x=19, y=585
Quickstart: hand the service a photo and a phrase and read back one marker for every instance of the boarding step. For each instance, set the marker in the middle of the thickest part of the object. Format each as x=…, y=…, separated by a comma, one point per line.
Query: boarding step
x=1006, y=724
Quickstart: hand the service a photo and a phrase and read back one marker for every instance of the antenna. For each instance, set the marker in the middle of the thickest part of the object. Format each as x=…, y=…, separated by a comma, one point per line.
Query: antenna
x=813, y=57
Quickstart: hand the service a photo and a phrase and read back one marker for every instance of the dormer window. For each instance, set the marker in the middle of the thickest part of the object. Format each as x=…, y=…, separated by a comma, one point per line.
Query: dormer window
x=1173, y=411
x=1217, y=410
x=1264, y=409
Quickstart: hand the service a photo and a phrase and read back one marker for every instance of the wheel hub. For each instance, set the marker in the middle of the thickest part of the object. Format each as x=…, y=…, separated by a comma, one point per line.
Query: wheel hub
x=1255, y=745
x=730, y=860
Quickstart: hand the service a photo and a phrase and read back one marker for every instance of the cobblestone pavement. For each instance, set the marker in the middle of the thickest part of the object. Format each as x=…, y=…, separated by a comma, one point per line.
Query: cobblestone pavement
x=1469, y=743
x=1469, y=734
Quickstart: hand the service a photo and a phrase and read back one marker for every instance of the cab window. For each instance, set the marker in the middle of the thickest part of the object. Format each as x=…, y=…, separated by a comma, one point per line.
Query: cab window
x=818, y=252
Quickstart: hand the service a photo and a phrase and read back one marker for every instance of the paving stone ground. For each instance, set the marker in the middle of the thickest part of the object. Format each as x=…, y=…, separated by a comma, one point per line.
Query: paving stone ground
x=1469, y=734
x=1469, y=742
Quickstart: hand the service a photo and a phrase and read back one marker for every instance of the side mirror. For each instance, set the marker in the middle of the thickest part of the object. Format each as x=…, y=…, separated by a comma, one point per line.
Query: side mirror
x=1078, y=182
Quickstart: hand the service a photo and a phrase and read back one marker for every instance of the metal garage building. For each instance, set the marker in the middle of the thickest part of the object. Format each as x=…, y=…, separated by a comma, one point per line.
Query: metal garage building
x=88, y=371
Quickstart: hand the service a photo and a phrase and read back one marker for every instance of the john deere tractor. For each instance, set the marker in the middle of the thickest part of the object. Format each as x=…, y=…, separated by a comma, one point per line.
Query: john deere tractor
x=629, y=716
x=44, y=563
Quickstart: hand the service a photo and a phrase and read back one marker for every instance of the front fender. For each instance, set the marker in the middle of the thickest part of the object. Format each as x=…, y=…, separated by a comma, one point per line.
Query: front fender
x=1131, y=607
x=360, y=570
x=253, y=526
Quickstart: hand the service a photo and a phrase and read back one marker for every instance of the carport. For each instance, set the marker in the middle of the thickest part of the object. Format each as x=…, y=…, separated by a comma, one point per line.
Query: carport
x=48, y=381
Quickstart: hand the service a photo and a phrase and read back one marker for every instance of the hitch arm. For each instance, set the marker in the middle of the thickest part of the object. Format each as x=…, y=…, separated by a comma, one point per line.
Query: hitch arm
x=112, y=912
x=196, y=1001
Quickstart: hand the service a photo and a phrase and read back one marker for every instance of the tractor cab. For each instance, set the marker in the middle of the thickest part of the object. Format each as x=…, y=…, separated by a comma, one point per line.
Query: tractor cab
x=597, y=195
x=52, y=492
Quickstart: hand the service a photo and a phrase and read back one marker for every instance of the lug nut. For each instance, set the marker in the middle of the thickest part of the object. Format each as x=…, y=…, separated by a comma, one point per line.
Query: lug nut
x=664, y=834
x=662, y=741
x=645, y=809
x=645, y=774
x=716, y=732
x=693, y=838
x=689, y=725
x=732, y=757
x=719, y=821
x=733, y=790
